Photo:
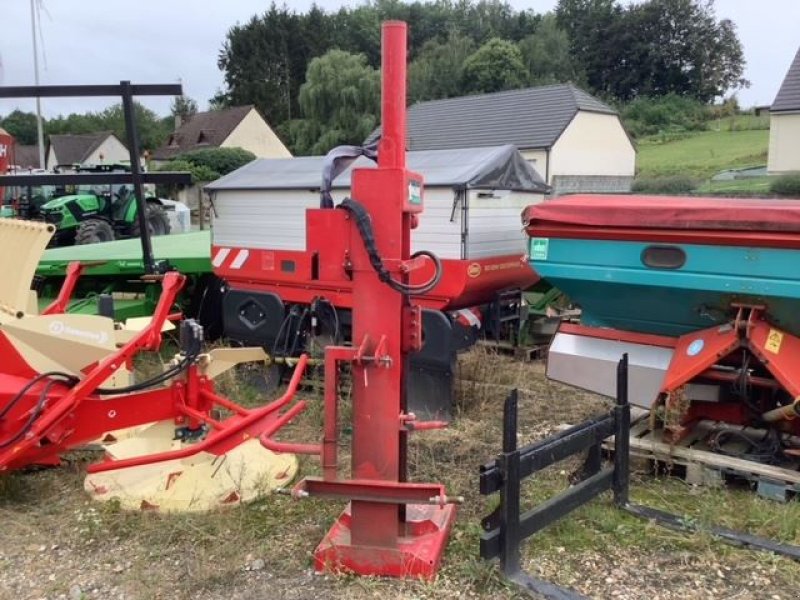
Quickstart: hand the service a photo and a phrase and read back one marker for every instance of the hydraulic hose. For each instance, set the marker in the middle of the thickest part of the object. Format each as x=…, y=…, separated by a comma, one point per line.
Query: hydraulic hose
x=364, y=226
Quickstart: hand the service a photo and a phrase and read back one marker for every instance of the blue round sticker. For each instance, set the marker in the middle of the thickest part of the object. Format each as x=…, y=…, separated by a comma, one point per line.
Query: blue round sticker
x=695, y=347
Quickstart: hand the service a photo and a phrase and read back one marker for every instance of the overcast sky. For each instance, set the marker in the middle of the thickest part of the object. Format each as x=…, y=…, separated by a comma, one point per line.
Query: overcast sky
x=162, y=41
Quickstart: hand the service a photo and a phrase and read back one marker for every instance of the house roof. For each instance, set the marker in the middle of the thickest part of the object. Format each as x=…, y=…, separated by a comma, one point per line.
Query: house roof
x=528, y=118
x=499, y=167
x=26, y=157
x=788, y=97
x=71, y=149
x=203, y=130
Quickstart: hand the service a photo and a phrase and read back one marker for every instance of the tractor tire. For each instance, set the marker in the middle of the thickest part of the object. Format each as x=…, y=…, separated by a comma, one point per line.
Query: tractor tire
x=157, y=221
x=93, y=231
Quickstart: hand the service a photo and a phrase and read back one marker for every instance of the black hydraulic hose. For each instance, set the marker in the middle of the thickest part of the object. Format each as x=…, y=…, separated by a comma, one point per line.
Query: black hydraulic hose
x=153, y=381
x=364, y=226
x=68, y=379
x=36, y=411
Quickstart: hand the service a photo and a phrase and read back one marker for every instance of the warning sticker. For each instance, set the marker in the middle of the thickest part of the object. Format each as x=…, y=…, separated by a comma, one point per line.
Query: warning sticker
x=539, y=248
x=774, y=341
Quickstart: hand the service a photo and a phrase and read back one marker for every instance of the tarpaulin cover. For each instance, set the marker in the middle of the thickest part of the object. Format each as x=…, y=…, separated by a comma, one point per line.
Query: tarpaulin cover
x=496, y=167
x=665, y=212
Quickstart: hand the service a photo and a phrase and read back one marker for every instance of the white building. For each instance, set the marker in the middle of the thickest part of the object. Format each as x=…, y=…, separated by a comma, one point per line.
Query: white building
x=784, y=124
x=575, y=141
x=64, y=151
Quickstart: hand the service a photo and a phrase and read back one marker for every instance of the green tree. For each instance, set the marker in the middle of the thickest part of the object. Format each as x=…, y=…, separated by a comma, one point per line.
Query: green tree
x=681, y=48
x=183, y=107
x=438, y=70
x=22, y=125
x=339, y=102
x=153, y=130
x=653, y=48
x=495, y=66
x=218, y=160
x=546, y=54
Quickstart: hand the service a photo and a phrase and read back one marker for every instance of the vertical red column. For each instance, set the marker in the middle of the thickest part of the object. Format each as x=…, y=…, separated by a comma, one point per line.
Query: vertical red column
x=391, y=527
x=392, y=148
x=377, y=308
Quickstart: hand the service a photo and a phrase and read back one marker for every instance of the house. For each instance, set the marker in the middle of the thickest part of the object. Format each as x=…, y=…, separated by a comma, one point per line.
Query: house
x=26, y=156
x=85, y=149
x=235, y=127
x=784, y=124
x=575, y=141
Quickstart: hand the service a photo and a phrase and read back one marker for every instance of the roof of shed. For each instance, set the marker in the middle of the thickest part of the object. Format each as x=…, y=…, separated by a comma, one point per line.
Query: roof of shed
x=498, y=167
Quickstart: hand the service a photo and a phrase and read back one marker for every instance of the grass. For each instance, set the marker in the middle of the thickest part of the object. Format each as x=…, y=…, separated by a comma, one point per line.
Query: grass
x=701, y=155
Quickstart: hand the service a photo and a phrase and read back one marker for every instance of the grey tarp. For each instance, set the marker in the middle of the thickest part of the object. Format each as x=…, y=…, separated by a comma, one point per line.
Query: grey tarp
x=496, y=167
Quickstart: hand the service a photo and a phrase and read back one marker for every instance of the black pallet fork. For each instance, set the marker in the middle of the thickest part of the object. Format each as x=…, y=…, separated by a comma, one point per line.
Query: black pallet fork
x=506, y=527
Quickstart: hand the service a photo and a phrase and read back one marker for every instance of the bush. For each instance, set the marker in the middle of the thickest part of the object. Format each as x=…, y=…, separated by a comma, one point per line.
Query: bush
x=218, y=160
x=200, y=173
x=675, y=184
x=786, y=185
x=670, y=113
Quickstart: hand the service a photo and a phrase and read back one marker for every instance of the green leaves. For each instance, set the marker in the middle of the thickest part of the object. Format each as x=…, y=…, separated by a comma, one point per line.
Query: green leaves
x=494, y=67
x=340, y=103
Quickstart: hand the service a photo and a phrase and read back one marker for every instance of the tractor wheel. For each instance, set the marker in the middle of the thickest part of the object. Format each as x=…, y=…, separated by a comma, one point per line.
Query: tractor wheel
x=92, y=231
x=157, y=221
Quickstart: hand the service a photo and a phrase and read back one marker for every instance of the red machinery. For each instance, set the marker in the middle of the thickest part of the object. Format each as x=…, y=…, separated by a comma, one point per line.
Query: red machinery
x=45, y=412
x=392, y=526
x=6, y=148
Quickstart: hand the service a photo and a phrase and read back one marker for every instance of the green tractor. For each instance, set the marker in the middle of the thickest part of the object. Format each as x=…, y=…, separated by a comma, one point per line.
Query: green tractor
x=102, y=213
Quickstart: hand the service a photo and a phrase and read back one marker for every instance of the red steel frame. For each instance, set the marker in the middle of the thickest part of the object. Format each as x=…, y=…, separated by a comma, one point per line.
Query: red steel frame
x=696, y=354
x=75, y=414
x=391, y=527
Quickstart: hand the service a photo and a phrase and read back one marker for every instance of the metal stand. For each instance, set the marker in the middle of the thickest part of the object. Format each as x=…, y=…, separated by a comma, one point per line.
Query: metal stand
x=506, y=528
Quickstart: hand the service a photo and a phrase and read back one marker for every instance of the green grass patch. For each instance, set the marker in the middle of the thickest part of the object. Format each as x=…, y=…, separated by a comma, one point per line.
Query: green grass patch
x=701, y=155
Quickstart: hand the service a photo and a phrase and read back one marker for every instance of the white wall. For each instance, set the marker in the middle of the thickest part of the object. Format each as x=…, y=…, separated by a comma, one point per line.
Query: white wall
x=593, y=144
x=111, y=150
x=495, y=222
x=537, y=158
x=255, y=135
x=784, y=143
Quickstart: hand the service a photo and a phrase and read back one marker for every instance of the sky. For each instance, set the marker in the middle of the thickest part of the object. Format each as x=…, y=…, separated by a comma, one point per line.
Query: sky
x=165, y=41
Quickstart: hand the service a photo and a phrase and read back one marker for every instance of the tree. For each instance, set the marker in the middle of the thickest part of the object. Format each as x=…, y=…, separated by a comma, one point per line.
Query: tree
x=495, y=66
x=153, y=130
x=596, y=33
x=653, y=48
x=687, y=51
x=546, y=54
x=183, y=107
x=21, y=125
x=339, y=102
x=438, y=70
x=218, y=160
